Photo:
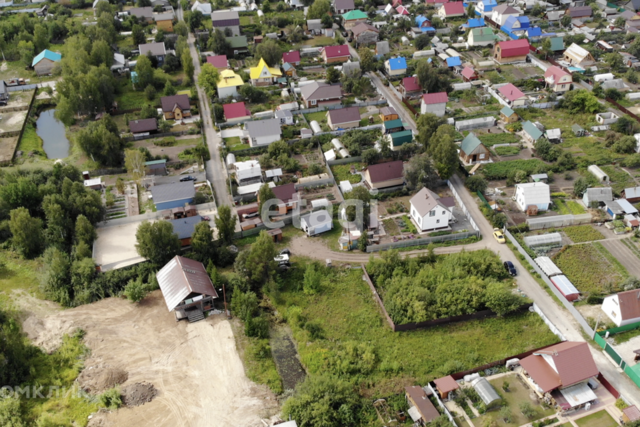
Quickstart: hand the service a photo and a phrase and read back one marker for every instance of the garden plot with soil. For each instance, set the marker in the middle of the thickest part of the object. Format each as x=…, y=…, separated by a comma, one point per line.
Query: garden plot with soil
x=178, y=373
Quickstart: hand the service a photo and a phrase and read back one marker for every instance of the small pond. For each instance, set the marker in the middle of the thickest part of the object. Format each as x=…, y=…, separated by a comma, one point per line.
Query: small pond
x=52, y=132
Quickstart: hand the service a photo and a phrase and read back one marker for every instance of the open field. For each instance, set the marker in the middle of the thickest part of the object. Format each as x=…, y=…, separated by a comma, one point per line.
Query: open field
x=591, y=268
x=599, y=419
x=174, y=356
x=347, y=315
x=582, y=233
x=569, y=207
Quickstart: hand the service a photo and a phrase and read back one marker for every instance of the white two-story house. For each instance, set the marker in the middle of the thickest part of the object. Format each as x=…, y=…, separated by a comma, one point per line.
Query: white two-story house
x=428, y=212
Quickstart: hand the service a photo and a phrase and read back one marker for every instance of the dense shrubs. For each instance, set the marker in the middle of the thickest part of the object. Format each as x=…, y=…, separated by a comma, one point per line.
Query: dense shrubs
x=416, y=290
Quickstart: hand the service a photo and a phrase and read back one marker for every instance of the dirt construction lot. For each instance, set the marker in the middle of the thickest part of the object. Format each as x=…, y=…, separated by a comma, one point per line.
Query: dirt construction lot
x=195, y=367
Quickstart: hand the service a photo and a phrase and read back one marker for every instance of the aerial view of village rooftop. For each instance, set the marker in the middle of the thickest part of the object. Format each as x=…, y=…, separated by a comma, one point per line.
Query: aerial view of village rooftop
x=319, y=213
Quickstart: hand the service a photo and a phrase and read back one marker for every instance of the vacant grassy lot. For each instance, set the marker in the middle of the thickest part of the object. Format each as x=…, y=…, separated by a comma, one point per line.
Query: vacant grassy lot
x=590, y=268
x=582, y=233
x=619, y=178
x=510, y=150
x=347, y=324
x=499, y=138
x=599, y=419
x=517, y=394
x=343, y=172
x=30, y=141
x=319, y=41
x=235, y=143
x=501, y=170
x=569, y=207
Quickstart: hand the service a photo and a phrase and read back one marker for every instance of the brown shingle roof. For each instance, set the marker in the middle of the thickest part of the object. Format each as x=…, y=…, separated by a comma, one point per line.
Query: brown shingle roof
x=321, y=91
x=362, y=27
x=143, y=125
x=424, y=201
x=629, y=304
x=170, y=102
x=427, y=411
x=344, y=115
x=385, y=171
x=285, y=192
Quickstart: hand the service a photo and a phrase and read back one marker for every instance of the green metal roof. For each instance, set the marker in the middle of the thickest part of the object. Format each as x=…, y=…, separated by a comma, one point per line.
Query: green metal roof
x=392, y=124
x=484, y=34
x=532, y=130
x=237, y=41
x=402, y=137
x=507, y=111
x=470, y=143
x=354, y=14
x=557, y=43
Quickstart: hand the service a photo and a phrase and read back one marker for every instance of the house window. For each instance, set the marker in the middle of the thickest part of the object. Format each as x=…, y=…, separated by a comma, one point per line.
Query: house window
x=443, y=212
x=481, y=156
x=437, y=221
x=313, y=102
x=432, y=213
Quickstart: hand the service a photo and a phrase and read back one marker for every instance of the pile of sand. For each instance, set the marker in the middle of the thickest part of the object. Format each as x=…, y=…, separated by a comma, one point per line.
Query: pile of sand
x=138, y=394
x=97, y=379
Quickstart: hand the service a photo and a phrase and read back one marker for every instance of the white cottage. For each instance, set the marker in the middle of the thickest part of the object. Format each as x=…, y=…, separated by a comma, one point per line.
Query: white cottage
x=623, y=308
x=533, y=194
x=428, y=212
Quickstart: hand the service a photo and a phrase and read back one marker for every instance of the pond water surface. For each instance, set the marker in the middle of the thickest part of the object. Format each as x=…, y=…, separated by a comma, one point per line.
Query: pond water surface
x=52, y=132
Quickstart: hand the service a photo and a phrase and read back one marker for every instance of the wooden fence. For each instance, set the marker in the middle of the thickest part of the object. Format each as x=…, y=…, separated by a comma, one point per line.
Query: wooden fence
x=623, y=109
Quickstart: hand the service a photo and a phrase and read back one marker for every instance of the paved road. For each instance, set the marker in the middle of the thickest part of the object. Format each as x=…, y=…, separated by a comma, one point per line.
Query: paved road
x=216, y=172
x=558, y=315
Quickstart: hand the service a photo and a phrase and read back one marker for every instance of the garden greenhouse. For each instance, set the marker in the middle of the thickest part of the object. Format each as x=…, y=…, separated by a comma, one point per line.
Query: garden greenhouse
x=550, y=239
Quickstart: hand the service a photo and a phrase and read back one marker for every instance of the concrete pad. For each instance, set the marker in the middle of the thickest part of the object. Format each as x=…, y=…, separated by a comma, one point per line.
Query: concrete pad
x=115, y=246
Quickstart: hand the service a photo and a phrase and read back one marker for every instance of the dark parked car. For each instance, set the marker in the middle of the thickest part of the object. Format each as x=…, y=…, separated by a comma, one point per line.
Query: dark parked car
x=187, y=178
x=508, y=265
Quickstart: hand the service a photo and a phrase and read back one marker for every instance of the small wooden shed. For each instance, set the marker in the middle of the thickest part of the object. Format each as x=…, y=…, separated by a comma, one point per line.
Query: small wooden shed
x=276, y=234
x=446, y=385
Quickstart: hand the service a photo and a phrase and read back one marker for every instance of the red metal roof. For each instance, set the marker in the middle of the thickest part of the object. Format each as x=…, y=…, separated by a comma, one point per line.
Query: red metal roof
x=454, y=8
x=336, y=51
x=510, y=92
x=556, y=72
x=219, y=61
x=385, y=171
x=446, y=384
x=291, y=57
x=235, y=110
x=632, y=412
x=512, y=48
x=435, y=98
x=573, y=364
x=410, y=84
x=629, y=304
x=468, y=72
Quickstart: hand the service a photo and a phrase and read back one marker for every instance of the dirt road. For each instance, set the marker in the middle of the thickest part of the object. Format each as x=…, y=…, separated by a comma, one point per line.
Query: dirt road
x=195, y=367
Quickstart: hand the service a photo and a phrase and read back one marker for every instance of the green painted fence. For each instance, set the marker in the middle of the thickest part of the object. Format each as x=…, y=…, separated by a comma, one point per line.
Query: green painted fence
x=633, y=372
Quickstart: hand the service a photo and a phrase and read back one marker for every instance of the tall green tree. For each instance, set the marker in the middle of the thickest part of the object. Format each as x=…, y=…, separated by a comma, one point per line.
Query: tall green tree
x=261, y=260
x=145, y=72
x=27, y=232
x=202, y=241
x=187, y=64
x=419, y=172
x=264, y=194
x=157, y=242
x=20, y=192
x=318, y=9
x=431, y=79
x=208, y=79
x=445, y=156
x=333, y=75
x=218, y=43
x=101, y=53
x=101, y=141
x=367, y=59
x=225, y=222
x=134, y=163
x=40, y=38
x=270, y=51
x=427, y=125
x=137, y=36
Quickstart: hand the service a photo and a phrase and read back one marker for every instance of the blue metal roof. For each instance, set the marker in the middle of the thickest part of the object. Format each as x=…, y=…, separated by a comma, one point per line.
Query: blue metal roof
x=51, y=56
x=420, y=20
x=534, y=32
x=474, y=23
x=516, y=23
x=453, y=61
x=397, y=64
x=489, y=3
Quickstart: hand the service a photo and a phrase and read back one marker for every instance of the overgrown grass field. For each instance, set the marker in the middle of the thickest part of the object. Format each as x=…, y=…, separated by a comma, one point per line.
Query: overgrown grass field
x=569, y=207
x=350, y=337
x=501, y=170
x=491, y=139
x=591, y=268
x=582, y=233
x=343, y=173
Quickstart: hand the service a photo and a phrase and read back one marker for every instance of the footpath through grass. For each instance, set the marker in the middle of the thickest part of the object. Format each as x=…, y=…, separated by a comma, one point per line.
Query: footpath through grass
x=339, y=330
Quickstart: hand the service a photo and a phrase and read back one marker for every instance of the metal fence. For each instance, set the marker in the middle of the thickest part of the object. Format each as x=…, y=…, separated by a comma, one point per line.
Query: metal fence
x=462, y=206
x=422, y=241
x=558, y=221
x=551, y=286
